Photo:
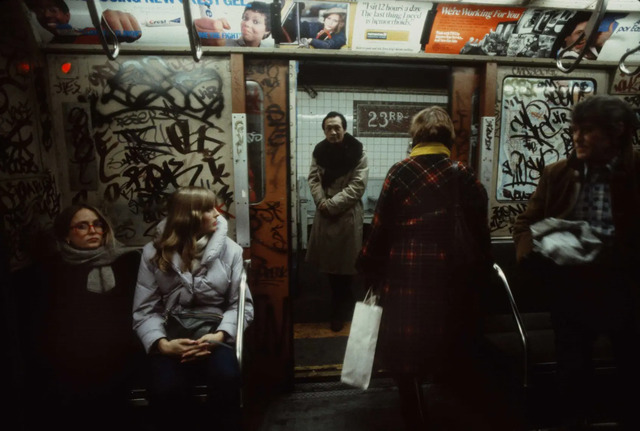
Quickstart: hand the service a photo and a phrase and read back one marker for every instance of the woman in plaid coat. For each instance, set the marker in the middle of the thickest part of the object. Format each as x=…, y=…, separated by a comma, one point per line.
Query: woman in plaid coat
x=429, y=314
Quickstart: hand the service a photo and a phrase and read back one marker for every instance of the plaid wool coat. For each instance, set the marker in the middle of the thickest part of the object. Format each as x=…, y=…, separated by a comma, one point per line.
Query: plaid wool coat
x=425, y=309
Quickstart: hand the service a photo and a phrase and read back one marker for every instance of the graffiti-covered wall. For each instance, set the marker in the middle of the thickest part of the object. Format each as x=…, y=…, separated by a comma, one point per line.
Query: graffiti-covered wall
x=131, y=131
x=532, y=130
x=29, y=196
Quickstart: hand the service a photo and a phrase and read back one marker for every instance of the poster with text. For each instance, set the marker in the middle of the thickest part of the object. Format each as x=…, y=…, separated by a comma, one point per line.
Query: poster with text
x=389, y=27
x=472, y=29
x=624, y=34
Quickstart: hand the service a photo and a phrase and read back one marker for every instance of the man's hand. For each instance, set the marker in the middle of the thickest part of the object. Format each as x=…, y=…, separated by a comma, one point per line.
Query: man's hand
x=323, y=208
x=123, y=24
x=210, y=30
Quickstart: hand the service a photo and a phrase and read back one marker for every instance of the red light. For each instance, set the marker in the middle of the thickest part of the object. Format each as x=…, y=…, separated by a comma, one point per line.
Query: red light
x=66, y=67
x=23, y=68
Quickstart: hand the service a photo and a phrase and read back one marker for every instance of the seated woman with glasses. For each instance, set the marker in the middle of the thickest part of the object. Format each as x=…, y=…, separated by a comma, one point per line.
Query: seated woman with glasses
x=86, y=343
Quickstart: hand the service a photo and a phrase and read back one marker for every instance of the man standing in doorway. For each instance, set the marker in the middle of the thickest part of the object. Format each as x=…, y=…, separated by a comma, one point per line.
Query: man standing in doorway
x=337, y=179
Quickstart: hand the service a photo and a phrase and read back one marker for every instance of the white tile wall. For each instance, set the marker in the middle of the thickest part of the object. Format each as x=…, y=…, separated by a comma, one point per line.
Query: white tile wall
x=381, y=152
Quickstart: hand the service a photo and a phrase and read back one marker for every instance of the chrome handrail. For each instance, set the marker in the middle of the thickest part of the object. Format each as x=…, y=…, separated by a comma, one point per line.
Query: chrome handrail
x=242, y=299
x=518, y=318
x=590, y=31
x=622, y=66
x=194, y=38
x=98, y=23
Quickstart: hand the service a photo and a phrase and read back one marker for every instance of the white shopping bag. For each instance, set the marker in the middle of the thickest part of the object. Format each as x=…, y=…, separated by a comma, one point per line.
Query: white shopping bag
x=361, y=345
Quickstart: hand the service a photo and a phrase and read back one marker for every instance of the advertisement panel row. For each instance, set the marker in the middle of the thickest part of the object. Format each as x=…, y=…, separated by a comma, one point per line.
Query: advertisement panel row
x=393, y=26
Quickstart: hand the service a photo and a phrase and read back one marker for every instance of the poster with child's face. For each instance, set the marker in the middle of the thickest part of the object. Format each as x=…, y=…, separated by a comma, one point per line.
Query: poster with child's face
x=234, y=23
x=316, y=25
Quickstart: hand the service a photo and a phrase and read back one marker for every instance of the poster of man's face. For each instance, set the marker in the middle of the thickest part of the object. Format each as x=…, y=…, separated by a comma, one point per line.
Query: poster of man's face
x=53, y=15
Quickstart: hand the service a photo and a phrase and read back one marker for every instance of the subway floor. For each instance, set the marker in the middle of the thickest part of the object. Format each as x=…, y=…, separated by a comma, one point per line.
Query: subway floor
x=320, y=402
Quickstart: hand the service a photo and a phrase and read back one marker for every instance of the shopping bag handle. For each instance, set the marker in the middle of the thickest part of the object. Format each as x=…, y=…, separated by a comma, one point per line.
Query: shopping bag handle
x=371, y=297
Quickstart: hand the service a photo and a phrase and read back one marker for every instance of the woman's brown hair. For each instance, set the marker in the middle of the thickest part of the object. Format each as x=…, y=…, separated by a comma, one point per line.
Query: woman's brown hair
x=62, y=223
x=432, y=124
x=185, y=210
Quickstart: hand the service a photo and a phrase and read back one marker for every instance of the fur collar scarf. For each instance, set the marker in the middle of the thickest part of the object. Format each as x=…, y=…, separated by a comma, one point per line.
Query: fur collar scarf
x=337, y=159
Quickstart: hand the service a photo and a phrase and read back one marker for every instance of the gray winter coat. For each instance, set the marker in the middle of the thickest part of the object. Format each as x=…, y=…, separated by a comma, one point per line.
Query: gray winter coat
x=212, y=288
x=336, y=240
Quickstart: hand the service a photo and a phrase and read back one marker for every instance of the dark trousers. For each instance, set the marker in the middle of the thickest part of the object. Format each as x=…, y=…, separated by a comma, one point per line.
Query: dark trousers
x=588, y=303
x=467, y=396
x=170, y=388
x=342, y=301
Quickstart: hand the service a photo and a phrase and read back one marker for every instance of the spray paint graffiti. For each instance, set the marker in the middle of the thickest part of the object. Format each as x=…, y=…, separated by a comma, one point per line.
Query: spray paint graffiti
x=156, y=124
x=535, y=130
x=269, y=217
x=27, y=206
x=503, y=216
x=80, y=149
x=29, y=198
x=18, y=154
x=627, y=87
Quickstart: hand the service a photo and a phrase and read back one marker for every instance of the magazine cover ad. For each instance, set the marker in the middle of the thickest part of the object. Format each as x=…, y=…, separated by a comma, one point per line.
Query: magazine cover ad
x=316, y=25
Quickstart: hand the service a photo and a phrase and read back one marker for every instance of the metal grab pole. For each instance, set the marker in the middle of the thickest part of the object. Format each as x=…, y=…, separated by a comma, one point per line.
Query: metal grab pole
x=98, y=23
x=194, y=38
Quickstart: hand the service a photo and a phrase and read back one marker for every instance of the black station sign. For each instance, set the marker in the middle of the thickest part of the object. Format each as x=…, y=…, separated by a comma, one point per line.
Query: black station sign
x=384, y=119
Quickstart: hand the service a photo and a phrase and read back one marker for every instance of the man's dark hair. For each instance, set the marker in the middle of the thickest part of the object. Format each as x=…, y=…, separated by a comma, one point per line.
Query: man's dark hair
x=335, y=114
x=264, y=9
x=60, y=4
x=608, y=112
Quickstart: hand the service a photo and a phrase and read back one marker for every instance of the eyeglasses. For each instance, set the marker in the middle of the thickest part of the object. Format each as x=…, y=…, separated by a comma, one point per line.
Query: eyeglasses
x=83, y=227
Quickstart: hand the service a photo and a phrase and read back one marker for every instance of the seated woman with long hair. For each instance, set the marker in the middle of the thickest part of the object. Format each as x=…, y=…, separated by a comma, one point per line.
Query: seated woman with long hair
x=185, y=312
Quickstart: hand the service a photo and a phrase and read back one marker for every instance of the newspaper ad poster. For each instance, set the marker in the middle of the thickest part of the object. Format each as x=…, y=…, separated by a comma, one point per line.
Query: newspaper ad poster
x=472, y=29
x=389, y=27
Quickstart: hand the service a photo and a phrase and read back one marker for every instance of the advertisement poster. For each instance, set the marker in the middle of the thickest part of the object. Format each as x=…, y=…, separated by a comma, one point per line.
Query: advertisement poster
x=575, y=28
x=234, y=23
x=389, y=27
x=231, y=23
x=316, y=25
x=540, y=33
x=624, y=35
x=472, y=29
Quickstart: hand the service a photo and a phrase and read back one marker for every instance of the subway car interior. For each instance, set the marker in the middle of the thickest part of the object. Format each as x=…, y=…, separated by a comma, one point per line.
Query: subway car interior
x=120, y=114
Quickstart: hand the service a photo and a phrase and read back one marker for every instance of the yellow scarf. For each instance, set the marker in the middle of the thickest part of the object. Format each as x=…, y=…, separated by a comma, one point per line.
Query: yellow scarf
x=424, y=148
